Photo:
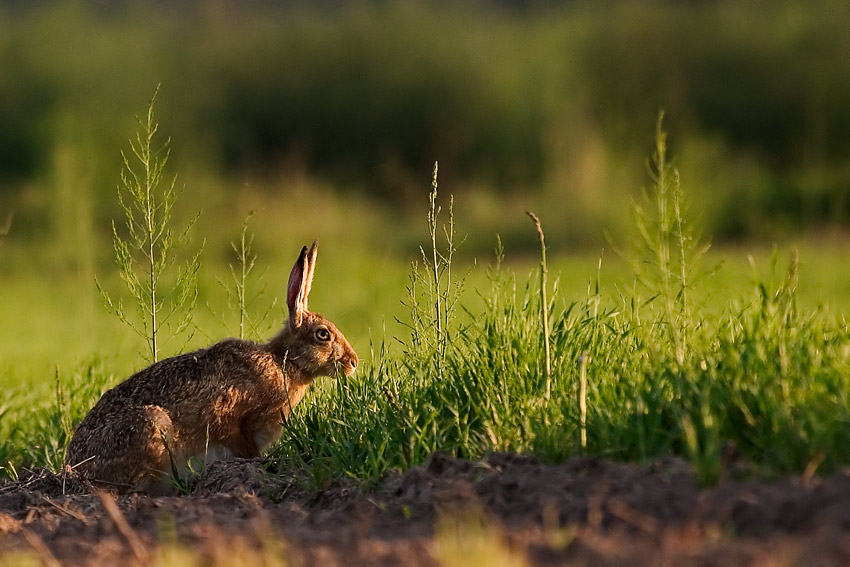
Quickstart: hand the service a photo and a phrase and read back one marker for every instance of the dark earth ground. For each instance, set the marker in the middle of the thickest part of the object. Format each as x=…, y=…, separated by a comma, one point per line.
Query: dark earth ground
x=584, y=512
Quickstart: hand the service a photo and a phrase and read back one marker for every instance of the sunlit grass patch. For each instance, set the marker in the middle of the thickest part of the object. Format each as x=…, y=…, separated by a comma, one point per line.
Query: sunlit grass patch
x=664, y=374
x=456, y=361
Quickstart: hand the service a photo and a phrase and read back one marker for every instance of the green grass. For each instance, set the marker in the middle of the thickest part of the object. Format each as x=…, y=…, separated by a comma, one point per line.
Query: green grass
x=761, y=373
x=756, y=356
x=665, y=374
x=641, y=402
x=734, y=385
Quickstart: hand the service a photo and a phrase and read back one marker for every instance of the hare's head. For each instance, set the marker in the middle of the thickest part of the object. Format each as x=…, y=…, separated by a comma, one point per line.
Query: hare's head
x=312, y=343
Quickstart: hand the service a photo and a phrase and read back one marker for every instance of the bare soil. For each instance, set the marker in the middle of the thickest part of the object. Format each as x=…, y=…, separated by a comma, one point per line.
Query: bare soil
x=585, y=512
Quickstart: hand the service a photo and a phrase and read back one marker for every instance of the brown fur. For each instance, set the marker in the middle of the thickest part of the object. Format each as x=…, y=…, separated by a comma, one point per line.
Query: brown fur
x=225, y=400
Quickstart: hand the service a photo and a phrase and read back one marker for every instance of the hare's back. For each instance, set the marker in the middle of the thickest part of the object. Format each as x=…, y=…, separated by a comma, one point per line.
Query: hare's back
x=235, y=362
x=198, y=374
x=160, y=384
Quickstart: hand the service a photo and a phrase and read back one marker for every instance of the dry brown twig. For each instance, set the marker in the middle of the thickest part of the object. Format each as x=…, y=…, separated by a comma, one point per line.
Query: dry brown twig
x=137, y=547
x=65, y=510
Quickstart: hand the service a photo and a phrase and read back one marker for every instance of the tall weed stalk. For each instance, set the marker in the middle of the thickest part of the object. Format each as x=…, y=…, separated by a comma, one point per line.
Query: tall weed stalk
x=544, y=303
x=241, y=296
x=668, y=251
x=164, y=292
x=433, y=292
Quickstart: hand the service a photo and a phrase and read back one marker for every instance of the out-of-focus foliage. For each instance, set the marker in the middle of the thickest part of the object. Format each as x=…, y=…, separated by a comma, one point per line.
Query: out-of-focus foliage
x=540, y=98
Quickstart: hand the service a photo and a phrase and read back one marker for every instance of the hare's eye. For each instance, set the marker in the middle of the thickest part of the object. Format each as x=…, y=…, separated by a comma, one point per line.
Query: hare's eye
x=323, y=334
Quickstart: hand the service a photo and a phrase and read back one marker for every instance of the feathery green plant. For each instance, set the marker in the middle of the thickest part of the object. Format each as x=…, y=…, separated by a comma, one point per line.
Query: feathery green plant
x=432, y=314
x=668, y=251
x=146, y=256
x=239, y=299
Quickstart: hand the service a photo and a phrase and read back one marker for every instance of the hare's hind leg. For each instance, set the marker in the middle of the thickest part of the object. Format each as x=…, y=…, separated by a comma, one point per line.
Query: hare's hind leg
x=131, y=451
x=157, y=442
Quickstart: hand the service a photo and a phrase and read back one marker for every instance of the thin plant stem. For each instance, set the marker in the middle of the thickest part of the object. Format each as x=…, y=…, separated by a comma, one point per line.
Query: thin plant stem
x=582, y=398
x=244, y=257
x=146, y=252
x=544, y=303
x=682, y=241
x=433, y=211
x=150, y=211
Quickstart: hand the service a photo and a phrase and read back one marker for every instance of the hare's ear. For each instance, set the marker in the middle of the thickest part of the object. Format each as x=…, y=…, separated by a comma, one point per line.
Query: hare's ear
x=311, y=267
x=296, y=290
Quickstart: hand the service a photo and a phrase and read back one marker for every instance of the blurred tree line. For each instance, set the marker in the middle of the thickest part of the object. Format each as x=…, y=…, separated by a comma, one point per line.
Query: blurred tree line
x=556, y=99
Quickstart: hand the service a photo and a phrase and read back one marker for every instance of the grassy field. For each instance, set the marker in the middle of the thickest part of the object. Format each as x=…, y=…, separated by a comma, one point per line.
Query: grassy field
x=299, y=122
x=669, y=353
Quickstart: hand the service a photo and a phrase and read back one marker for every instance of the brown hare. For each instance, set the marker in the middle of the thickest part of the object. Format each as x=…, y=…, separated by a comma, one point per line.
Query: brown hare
x=228, y=400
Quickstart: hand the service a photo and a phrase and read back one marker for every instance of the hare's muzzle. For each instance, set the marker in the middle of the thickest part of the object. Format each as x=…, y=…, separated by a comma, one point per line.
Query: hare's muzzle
x=349, y=366
x=345, y=359
x=346, y=365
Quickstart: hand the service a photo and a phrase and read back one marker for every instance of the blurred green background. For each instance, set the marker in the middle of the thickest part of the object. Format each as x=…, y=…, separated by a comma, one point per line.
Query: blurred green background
x=326, y=118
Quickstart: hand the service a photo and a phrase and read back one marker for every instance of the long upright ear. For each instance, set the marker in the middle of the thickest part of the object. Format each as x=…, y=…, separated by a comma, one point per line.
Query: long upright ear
x=297, y=288
x=311, y=267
